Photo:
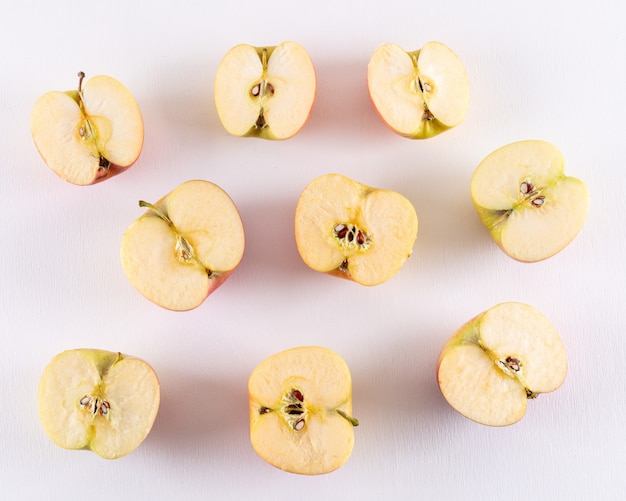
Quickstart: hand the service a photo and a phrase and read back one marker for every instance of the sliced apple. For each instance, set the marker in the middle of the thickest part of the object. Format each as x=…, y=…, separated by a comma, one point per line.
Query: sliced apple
x=98, y=400
x=494, y=363
x=185, y=246
x=265, y=92
x=418, y=94
x=300, y=410
x=530, y=207
x=354, y=231
x=89, y=134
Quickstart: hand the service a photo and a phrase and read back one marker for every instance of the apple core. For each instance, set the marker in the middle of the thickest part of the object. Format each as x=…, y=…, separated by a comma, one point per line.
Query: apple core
x=87, y=132
x=95, y=405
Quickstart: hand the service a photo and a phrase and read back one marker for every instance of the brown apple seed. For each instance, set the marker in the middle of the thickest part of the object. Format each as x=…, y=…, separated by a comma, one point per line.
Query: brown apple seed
x=513, y=363
x=294, y=411
x=298, y=394
x=351, y=237
x=526, y=187
x=538, y=201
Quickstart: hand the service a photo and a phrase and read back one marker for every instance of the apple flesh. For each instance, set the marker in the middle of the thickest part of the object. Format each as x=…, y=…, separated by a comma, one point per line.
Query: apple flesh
x=265, y=92
x=300, y=410
x=98, y=400
x=185, y=246
x=90, y=134
x=494, y=363
x=418, y=94
x=531, y=209
x=354, y=231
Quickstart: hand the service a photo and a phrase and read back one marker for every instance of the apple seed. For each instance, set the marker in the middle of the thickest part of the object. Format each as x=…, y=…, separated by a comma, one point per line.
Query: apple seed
x=294, y=411
x=538, y=201
x=350, y=237
x=526, y=187
x=298, y=394
x=94, y=405
x=513, y=363
x=528, y=190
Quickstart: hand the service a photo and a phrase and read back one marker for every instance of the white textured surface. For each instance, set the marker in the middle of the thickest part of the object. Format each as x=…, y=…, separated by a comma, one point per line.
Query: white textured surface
x=536, y=71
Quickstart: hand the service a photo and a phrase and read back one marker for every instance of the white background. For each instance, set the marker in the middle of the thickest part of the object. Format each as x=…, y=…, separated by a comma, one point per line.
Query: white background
x=545, y=70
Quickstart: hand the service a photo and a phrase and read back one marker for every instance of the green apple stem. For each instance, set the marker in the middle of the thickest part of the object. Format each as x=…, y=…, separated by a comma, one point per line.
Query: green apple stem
x=155, y=209
x=352, y=420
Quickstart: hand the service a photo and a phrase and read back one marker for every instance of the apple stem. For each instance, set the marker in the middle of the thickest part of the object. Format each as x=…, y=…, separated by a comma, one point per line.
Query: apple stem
x=153, y=208
x=81, y=76
x=353, y=421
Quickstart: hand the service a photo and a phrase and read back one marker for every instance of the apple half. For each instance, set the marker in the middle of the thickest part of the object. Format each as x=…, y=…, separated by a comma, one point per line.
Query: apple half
x=90, y=134
x=354, y=231
x=185, y=246
x=421, y=93
x=98, y=400
x=265, y=92
x=300, y=410
x=496, y=362
x=531, y=209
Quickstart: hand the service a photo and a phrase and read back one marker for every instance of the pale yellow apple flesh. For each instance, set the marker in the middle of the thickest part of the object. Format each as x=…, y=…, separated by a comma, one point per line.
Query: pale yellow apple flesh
x=523, y=197
x=354, y=231
x=418, y=94
x=90, y=134
x=300, y=410
x=184, y=246
x=492, y=365
x=98, y=400
x=265, y=92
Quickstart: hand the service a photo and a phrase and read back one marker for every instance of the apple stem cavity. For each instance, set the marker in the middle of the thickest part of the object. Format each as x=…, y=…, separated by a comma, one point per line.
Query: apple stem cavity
x=352, y=420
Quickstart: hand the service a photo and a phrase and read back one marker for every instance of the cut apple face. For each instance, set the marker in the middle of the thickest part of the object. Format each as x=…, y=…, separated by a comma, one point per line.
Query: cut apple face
x=89, y=134
x=98, y=400
x=354, y=231
x=185, y=246
x=492, y=365
x=418, y=94
x=300, y=410
x=265, y=92
x=530, y=207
